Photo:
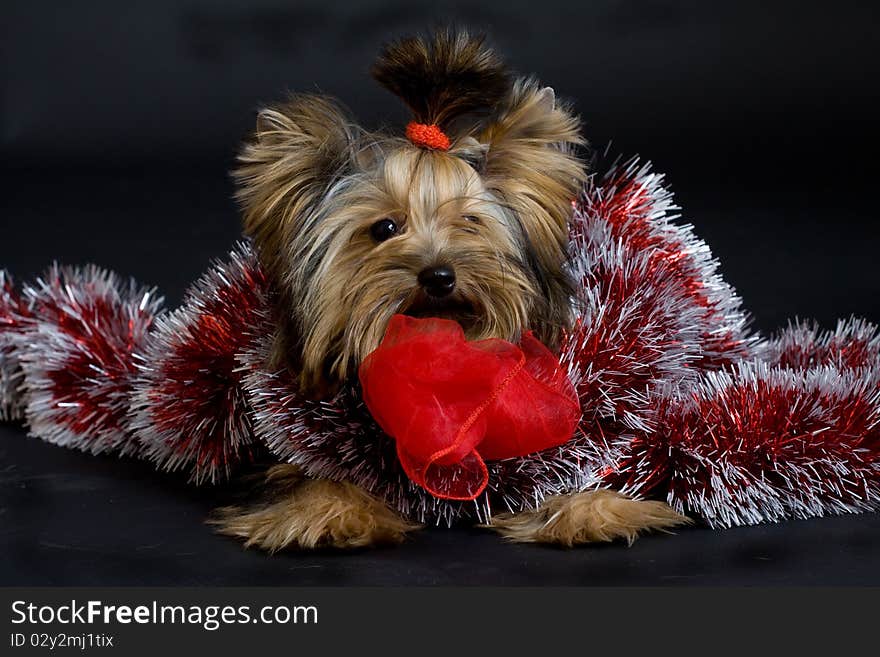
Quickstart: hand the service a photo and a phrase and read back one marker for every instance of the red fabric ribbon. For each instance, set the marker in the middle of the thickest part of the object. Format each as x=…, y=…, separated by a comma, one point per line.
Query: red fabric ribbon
x=451, y=404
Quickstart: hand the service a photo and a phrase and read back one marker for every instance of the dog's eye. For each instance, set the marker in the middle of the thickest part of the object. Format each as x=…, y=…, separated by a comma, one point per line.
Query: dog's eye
x=383, y=229
x=472, y=219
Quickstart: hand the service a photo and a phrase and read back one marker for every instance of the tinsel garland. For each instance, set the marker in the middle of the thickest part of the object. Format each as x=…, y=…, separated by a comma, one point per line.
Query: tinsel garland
x=14, y=315
x=188, y=409
x=680, y=401
x=77, y=356
x=761, y=443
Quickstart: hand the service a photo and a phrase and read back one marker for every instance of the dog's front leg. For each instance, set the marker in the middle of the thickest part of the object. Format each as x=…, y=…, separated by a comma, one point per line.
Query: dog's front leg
x=311, y=513
x=587, y=517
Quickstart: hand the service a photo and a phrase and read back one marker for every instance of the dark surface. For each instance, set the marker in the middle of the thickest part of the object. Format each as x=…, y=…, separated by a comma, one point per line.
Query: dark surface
x=118, y=124
x=70, y=518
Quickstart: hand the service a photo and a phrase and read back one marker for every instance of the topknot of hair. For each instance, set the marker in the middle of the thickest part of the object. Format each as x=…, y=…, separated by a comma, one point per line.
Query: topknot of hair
x=444, y=76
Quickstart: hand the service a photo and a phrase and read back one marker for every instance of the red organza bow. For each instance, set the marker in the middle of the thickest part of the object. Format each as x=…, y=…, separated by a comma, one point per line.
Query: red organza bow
x=451, y=404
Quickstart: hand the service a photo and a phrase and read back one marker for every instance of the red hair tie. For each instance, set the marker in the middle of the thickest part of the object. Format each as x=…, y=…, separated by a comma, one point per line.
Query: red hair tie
x=427, y=136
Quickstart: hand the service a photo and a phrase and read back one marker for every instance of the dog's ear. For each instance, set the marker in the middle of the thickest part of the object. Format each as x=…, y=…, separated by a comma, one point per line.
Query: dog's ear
x=532, y=164
x=298, y=150
x=531, y=160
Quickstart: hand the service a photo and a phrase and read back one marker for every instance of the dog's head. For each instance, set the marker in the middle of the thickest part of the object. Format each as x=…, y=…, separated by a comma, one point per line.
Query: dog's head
x=468, y=221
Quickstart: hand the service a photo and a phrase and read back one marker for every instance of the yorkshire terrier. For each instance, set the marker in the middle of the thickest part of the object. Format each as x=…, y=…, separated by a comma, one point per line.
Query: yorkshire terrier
x=466, y=218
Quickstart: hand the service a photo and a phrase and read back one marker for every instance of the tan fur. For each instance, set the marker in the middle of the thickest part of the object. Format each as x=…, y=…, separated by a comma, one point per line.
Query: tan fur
x=360, y=284
x=299, y=147
x=588, y=517
x=530, y=165
x=494, y=207
x=309, y=513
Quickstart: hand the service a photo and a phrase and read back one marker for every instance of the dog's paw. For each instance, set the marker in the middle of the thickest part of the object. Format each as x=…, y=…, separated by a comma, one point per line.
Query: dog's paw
x=311, y=513
x=587, y=517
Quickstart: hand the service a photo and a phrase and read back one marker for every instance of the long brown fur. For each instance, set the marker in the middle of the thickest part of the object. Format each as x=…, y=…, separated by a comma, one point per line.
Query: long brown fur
x=494, y=207
x=530, y=165
x=598, y=516
x=298, y=150
x=443, y=76
x=311, y=513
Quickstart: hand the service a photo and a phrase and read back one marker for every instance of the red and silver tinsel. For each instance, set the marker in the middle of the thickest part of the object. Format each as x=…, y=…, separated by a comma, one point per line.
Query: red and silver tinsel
x=77, y=356
x=14, y=316
x=188, y=408
x=680, y=401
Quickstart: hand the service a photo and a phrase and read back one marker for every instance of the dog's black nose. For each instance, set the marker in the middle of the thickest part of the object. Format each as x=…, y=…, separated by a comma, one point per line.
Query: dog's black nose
x=437, y=281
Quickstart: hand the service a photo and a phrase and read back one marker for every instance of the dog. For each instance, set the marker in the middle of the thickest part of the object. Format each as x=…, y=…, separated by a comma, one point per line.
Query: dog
x=465, y=218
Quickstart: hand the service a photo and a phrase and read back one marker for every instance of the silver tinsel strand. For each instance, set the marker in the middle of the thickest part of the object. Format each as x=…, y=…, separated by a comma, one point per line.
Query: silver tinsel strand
x=13, y=318
x=188, y=409
x=77, y=356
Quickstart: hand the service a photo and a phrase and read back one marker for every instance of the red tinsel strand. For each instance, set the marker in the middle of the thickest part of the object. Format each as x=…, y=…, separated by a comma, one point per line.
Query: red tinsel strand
x=636, y=328
x=654, y=310
x=640, y=212
x=189, y=410
x=762, y=443
x=853, y=344
x=14, y=317
x=77, y=356
x=637, y=325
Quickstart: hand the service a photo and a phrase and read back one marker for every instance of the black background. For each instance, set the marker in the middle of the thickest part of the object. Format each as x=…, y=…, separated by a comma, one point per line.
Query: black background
x=119, y=122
